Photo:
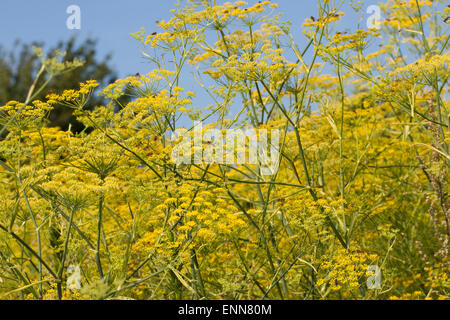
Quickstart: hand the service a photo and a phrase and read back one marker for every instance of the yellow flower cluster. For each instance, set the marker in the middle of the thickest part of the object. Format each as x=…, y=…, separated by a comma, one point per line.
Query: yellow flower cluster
x=74, y=98
x=346, y=269
x=18, y=115
x=323, y=21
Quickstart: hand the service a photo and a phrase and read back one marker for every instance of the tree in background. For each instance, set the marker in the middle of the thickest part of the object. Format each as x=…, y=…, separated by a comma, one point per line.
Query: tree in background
x=18, y=68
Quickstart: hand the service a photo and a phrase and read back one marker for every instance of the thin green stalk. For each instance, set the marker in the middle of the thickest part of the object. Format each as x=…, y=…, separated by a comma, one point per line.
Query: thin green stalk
x=99, y=233
x=63, y=259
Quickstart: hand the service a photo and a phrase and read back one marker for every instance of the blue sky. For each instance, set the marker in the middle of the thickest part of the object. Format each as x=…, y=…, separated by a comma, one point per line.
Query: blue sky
x=111, y=22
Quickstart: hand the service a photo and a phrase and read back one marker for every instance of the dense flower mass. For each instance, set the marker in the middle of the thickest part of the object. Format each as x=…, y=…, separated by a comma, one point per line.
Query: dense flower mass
x=357, y=209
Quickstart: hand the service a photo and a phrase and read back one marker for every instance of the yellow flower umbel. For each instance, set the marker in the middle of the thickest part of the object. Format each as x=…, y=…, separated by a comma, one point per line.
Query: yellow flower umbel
x=76, y=99
x=16, y=115
x=346, y=270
